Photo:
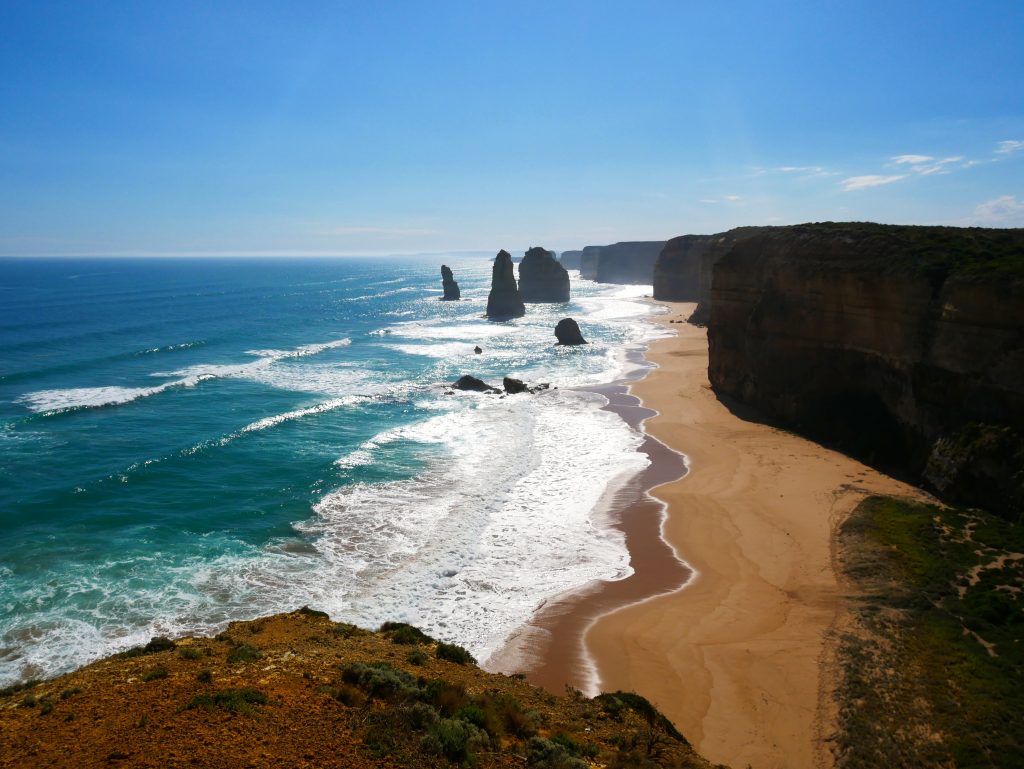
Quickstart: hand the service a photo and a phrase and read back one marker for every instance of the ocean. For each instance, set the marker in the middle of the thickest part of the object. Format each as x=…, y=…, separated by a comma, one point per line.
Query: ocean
x=187, y=442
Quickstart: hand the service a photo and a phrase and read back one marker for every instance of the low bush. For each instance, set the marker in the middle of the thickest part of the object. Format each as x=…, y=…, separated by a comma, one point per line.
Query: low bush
x=244, y=653
x=381, y=680
x=403, y=633
x=232, y=700
x=454, y=653
x=190, y=653
x=155, y=673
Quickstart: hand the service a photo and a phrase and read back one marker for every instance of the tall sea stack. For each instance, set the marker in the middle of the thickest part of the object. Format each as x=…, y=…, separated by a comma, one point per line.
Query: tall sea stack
x=451, y=288
x=504, y=301
x=541, y=278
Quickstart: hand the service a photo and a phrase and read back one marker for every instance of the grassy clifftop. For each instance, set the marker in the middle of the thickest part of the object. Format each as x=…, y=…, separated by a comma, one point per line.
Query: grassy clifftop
x=938, y=252
x=933, y=667
x=298, y=690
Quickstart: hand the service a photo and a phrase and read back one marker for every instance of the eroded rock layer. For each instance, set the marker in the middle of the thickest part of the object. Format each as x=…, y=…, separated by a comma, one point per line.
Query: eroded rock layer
x=630, y=262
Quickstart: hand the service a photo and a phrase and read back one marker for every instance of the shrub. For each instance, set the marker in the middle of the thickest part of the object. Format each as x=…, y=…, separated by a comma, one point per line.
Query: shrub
x=454, y=653
x=547, y=754
x=159, y=644
x=232, y=700
x=244, y=653
x=416, y=658
x=71, y=692
x=155, y=673
x=347, y=695
x=421, y=715
x=346, y=630
x=312, y=612
x=190, y=653
x=446, y=697
x=380, y=680
x=15, y=688
x=205, y=676
x=455, y=740
x=403, y=633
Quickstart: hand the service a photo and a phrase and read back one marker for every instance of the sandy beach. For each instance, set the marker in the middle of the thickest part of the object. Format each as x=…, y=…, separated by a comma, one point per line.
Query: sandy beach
x=735, y=658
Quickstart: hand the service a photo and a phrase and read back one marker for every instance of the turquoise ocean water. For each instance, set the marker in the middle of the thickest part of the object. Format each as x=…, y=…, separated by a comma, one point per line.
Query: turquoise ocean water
x=185, y=442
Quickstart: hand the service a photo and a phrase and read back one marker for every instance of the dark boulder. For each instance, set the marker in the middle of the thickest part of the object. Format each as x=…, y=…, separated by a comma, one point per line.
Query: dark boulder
x=504, y=301
x=467, y=382
x=541, y=278
x=568, y=332
x=513, y=386
x=477, y=350
x=451, y=288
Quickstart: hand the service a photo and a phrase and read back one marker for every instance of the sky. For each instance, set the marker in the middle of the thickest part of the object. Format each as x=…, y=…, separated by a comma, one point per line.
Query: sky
x=154, y=128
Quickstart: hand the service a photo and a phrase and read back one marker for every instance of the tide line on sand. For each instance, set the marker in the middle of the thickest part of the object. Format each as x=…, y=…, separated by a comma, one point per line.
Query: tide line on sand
x=724, y=624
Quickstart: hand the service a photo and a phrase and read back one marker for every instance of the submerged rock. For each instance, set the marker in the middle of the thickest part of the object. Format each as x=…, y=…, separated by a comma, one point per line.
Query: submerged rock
x=541, y=278
x=451, y=288
x=568, y=332
x=477, y=350
x=504, y=301
x=471, y=383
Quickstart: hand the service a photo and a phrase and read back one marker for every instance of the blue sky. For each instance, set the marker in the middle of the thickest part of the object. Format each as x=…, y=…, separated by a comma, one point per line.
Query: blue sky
x=386, y=127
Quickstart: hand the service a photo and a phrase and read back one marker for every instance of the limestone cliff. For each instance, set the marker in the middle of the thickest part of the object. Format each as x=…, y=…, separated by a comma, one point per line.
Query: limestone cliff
x=631, y=262
x=504, y=300
x=451, y=288
x=588, y=262
x=570, y=259
x=541, y=278
x=897, y=343
x=684, y=268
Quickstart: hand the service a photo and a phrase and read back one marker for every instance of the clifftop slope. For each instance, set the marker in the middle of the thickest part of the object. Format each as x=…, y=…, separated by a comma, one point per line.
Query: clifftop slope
x=298, y=690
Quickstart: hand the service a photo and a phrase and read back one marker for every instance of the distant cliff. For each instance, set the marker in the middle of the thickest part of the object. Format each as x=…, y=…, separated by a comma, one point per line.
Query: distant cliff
x=588, y=261
x=631, y=262
x=684, y=268
x=541, y=278
x=570, y=259
x=904, y=345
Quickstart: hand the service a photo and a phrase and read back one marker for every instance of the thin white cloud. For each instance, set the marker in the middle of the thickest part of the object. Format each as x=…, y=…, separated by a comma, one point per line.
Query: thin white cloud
x=914, y=160
x=1009, y=146
x=709, y=200
x=1005, y=211
x=871, y=180
x=731, y=198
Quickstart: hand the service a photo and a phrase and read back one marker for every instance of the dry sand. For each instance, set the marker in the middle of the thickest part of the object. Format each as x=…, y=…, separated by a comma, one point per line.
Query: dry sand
x=735, y=658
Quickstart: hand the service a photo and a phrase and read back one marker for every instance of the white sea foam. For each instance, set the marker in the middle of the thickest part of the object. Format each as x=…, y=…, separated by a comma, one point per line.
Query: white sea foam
x=319, y=408
x=68, y=399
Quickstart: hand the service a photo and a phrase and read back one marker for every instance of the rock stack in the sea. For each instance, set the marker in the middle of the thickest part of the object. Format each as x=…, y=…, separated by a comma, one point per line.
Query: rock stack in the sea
x=504, y=301
x=568, y=332
x=541, y=278
x=451, y=288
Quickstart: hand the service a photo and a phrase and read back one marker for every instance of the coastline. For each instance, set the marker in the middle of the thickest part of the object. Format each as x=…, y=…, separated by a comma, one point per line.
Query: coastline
x=737, y=657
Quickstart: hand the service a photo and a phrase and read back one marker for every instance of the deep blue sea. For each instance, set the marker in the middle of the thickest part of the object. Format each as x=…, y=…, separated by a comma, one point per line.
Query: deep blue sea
x=186, y=442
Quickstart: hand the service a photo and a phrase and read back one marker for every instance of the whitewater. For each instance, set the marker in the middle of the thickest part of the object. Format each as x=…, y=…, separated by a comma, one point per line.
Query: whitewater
x=184, y=443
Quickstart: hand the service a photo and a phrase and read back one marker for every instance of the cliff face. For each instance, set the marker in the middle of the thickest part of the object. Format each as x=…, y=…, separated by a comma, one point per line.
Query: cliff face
x=678, y=267
x=541, y=278
x=631, y=262
x=903, y=344
x=504, y=300
x=570, y=259
x=689, y=260
x=588, y=262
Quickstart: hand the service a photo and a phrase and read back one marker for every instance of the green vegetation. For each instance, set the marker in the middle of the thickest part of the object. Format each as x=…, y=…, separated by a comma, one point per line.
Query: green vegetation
x=312, y=612
x=154, y=674
x=402, y=633
x=417, y=658
x=15, y=688
x=156, y=644
x=190, y=653
x=346, y=630
x=205, y=676
x=454, y=653
x=935, y=252
x=232, y=700
x=244, y=653
x=933, y=674
x=70, y=692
